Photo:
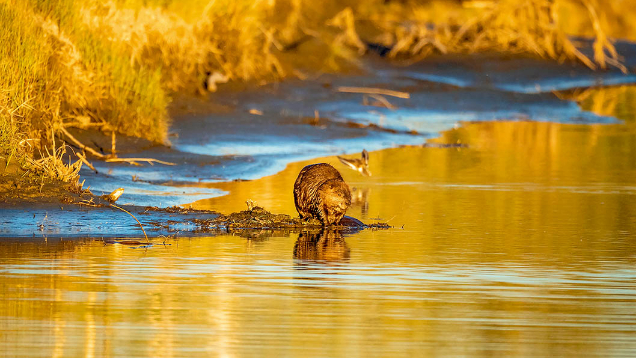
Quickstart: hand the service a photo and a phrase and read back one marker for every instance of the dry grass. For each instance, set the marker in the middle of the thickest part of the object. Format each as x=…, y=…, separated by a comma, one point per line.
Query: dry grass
x=55, y=73
x=228, y=36
x=53, y=165
x=527, y=26
x=616, y=17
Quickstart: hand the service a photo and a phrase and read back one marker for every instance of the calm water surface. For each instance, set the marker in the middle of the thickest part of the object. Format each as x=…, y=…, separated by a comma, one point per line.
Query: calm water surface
x=522, y=244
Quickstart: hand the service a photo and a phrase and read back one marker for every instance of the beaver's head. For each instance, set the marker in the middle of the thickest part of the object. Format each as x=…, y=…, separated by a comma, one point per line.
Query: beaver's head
x=335, y=198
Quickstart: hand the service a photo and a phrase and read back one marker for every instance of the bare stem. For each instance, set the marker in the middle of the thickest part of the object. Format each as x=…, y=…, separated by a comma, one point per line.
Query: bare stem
x=371, y=90
x=85, y=161
x=132, y=160
x=109, y=158
x=81, y=145
x=127, y=212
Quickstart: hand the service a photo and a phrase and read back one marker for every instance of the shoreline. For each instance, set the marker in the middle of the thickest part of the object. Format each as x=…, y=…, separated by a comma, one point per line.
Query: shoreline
x=66, y=219
x=207, y=174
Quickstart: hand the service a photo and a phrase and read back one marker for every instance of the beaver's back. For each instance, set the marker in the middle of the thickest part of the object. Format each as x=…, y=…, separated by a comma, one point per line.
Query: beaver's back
x=308, y=184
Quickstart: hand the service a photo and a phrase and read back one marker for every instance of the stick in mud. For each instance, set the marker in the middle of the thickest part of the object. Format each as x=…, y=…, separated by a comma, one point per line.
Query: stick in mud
x=110, y=158
x=382, y=101
x=85, y=161
x=133, y=160
x=372, y=90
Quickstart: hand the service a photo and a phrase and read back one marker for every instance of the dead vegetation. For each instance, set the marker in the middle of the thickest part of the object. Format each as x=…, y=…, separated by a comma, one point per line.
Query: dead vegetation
x=261, y=219
x=518, y=27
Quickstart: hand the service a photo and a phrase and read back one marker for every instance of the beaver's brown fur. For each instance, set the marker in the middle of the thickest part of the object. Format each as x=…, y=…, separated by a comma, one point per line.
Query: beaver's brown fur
x=320, y=192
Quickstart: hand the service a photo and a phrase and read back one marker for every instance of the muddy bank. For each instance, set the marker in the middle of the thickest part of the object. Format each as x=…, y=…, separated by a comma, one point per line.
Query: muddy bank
x=81, y=214
x=21, y=190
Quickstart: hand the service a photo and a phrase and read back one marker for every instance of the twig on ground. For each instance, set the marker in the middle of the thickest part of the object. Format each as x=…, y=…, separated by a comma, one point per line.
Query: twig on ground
x=372, y=90
x=382, y=101
x=81, y=145
x=112, y=157
x=133, y=160
x=85, y=161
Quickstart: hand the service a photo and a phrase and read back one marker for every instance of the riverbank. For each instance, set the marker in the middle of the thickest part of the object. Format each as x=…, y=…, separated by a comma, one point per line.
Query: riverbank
x=114, y=67
x=586, y=168
x=249, y=133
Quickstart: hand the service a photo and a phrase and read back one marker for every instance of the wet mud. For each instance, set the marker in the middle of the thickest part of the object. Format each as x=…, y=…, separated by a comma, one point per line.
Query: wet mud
x=85, y=215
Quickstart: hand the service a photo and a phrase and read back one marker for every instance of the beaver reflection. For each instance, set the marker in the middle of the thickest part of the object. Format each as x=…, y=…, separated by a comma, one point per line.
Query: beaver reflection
x=324, y=245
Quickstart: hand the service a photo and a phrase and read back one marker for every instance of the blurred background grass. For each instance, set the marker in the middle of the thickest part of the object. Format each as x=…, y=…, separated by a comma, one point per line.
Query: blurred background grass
x=113, y=65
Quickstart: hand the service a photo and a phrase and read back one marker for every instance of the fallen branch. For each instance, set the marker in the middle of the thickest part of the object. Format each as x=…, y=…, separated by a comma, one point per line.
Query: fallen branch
x=81, y=145
x=133, y=160
x=372, y=90
x=85, y=161
x=382, y=101
x=108, y=158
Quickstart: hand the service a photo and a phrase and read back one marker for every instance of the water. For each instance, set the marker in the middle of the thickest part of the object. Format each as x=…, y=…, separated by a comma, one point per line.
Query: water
x=522, y=244
x=231, y=143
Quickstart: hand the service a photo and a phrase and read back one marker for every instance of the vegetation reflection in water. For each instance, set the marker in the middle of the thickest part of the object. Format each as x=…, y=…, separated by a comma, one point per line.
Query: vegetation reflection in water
x=521, y=244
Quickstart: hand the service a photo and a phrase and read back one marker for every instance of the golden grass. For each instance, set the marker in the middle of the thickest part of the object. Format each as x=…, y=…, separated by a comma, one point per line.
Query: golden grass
x=53, y=165
x=616, y=17
x=228, y=36
x=21, y=67
x=527, y=26
x=56, y=73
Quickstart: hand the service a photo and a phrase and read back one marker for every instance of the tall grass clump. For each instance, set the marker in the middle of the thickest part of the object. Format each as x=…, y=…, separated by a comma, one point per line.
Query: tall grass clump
x=100, y=86
x=616, y=17
x=23, y=58
x=57, y=72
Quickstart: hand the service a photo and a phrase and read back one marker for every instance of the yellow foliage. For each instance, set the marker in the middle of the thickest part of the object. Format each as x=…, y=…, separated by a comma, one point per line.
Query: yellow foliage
x=528, y=26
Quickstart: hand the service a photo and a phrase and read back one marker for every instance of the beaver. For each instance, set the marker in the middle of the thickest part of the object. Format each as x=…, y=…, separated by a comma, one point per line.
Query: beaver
x=320, y=192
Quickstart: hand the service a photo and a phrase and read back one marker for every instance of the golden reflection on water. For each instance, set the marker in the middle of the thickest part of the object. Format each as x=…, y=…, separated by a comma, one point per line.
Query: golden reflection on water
x=536, y=181
x=521, y=244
